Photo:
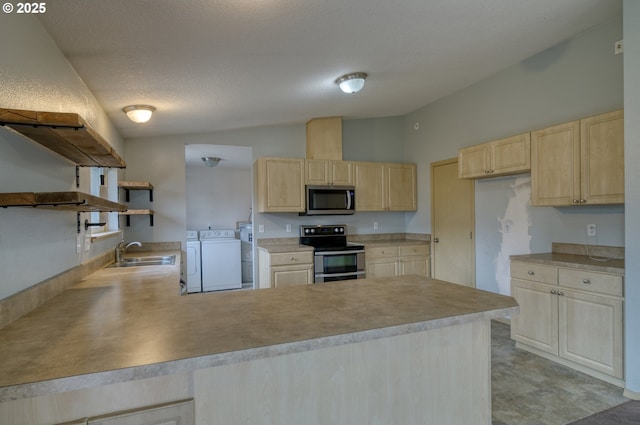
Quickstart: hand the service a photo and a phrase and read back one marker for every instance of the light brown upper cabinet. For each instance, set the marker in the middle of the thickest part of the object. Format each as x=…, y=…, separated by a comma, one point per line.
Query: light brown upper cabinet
x=328, y=172
x=511, y=155
x=402, y=193
x=385, y=186
x=280, y=184
x=579, y=162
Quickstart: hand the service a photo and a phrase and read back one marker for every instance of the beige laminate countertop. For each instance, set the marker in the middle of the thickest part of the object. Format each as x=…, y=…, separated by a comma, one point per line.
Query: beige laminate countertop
x=123, y=324
x=583, y=262
x=274, y=248
x=392, y=242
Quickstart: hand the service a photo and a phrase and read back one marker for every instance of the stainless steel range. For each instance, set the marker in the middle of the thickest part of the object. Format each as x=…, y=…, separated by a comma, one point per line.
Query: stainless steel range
x=334, y=257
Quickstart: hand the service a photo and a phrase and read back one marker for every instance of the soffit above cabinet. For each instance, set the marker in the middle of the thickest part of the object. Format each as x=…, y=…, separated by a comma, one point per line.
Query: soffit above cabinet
x=71, y=201
x=67, y=134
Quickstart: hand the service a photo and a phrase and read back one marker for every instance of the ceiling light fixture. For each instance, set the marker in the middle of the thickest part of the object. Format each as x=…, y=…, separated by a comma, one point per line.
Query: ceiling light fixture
x=352, y=83
x=139, y=113
x=210, y=161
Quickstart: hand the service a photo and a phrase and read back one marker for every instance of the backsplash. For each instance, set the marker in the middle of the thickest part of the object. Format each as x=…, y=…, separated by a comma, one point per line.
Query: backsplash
x=616, y=252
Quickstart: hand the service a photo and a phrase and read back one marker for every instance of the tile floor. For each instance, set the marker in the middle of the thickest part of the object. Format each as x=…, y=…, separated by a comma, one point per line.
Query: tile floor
x=530, y=390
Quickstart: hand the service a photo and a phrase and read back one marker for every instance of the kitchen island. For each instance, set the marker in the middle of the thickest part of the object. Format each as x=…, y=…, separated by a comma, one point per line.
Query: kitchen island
x=397, y=350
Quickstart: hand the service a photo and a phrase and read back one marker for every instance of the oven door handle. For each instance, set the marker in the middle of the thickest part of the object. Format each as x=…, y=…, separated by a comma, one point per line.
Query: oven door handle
x=348, y=200
x=359, y=272
x=328, y=253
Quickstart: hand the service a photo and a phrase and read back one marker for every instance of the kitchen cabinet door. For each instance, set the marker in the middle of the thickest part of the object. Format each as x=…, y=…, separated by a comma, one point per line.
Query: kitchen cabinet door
x=555, y=165
x=537, y=323
x=328, y=172
x=602, y=158
x=474, y=161
x=591, y=331
x=282, y=276
x=370, y=186
x=413, y=259
x=511, y=155
x=381, y=267
x=579, y=163
x=401, y=187
x=280, y=184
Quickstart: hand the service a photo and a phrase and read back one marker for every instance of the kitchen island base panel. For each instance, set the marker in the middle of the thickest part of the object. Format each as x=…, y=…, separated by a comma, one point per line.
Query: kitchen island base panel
x=438, y=376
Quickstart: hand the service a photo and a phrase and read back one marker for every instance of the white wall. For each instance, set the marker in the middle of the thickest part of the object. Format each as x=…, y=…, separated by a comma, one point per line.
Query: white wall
x=217, y=197
x=36, y=244
x=572, y=80
x=632, y=192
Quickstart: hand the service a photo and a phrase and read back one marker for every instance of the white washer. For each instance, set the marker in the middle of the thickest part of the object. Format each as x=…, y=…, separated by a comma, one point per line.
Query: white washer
x=220, y=252
x=194, y=273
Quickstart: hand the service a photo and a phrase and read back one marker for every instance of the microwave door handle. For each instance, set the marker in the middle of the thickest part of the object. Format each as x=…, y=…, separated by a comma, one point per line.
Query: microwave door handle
x=348, y=199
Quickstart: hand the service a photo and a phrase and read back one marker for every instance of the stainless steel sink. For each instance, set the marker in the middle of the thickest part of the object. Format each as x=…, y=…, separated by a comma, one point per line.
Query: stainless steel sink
x=158, y=260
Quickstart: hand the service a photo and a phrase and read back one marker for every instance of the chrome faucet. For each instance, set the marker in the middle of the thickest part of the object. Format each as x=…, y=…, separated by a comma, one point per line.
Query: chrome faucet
x=121, y=248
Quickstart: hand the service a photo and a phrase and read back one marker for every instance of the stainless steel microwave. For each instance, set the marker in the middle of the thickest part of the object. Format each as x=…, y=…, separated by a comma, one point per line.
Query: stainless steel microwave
x=330, y=200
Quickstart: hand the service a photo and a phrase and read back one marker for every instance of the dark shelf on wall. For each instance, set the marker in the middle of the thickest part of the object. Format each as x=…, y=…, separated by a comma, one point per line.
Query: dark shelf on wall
x=129, y=213
x=66, y=134
x=70, y=201
x=128, y=186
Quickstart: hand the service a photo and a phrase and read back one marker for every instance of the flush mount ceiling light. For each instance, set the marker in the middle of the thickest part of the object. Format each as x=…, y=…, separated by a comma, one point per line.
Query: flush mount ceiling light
x=210, y=161
x=139, y=113
x=352, y=83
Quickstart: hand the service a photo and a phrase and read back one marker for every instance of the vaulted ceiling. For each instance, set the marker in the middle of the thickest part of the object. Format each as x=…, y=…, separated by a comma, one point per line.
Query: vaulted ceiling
x=210, y=65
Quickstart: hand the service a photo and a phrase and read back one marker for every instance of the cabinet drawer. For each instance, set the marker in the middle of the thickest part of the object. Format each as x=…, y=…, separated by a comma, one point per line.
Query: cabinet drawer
x=535, y=272
x=289, y=258
x=407, y=250
x=602, y=283
x=381, y=252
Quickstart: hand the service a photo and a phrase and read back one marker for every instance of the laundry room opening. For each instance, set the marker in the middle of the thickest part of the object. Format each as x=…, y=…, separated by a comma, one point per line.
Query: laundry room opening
x=219, y=217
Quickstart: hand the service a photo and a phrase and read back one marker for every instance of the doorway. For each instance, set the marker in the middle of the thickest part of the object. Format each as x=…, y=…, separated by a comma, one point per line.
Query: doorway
x=218, y=196
x=452, y=224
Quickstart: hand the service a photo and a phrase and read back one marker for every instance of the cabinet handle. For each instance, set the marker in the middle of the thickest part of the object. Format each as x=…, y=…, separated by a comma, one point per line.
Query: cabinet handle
x=560, y=293
x=575, y=201
x=583, y=201
x=292, y=258
x=531, y=273
x=553, y=292
x=436, y=240
x=586, y=281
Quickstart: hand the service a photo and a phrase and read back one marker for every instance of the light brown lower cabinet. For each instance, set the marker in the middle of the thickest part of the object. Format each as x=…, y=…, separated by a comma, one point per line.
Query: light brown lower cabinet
x=571, y=316
x=277, y=270
x=397, y=260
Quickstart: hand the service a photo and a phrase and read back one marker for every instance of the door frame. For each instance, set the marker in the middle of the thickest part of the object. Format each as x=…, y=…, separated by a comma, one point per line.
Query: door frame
x=472, y=207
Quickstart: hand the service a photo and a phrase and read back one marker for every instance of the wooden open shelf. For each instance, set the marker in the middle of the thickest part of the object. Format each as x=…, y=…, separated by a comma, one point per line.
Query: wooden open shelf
x=127, y=186
x=66, y=134
x=129, y=213
x=70, y=201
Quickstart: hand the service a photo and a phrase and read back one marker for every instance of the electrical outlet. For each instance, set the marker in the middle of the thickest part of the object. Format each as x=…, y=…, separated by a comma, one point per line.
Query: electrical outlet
x=260, y=228
x=79, y=244
x=288, y=228
x=591, y=229
x=618, y=47
x=506, y=228
x=375, y=225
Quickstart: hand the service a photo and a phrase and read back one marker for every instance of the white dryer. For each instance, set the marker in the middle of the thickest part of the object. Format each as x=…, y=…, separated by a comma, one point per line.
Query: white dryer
x=220, y=253
x=194, y=273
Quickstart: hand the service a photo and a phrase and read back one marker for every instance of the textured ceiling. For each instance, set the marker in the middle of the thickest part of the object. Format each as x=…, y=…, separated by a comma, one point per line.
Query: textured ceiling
x=210, y=65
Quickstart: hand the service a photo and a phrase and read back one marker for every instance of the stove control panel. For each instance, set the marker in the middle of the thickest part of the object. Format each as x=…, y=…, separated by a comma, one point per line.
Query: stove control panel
x=324, y=230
